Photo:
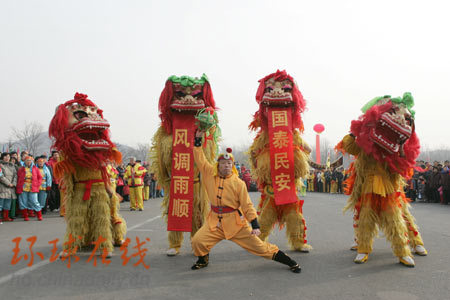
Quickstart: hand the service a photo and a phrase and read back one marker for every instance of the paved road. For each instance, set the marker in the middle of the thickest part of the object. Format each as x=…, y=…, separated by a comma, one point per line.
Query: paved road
x=328, y=271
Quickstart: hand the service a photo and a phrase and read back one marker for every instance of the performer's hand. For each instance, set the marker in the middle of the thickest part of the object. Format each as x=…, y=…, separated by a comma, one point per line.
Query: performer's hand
x=199, y=133
x=109, y=191
x=256, y=232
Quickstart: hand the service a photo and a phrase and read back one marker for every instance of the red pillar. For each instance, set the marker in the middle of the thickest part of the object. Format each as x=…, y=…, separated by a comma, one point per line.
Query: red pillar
x=317, y=149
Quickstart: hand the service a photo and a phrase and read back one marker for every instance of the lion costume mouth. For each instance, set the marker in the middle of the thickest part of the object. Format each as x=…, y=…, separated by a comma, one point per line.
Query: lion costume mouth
x=187, y=104
x=91, y=132
x=277, y=100
x=391, y=132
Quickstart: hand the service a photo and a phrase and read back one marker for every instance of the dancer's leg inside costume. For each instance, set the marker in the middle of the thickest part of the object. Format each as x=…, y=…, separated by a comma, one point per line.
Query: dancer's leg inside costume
x=98, y=222
x=415, y=238
x=390, y=221
x=296, y=230
x=267, y=220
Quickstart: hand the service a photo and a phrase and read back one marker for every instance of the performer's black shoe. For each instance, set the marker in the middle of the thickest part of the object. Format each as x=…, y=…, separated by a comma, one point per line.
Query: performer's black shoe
x=281, y=257
x=202, y=262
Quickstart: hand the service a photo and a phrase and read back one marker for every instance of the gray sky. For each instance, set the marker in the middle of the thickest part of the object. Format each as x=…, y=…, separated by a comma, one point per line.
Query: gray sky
x=342, y=54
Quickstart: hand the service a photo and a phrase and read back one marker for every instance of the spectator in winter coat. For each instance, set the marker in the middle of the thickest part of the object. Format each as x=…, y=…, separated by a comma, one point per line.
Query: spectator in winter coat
x=421, y=188
x=29, y=180
x=46, y=183
x=7, y=187
x=435, y=183
x=54, y=199
x=445, y=181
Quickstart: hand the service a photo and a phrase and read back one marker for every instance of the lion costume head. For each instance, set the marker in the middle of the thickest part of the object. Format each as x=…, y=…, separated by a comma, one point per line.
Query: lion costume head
x=184, y=94
x=81, y=134
x=278, y=89
x=386, y=132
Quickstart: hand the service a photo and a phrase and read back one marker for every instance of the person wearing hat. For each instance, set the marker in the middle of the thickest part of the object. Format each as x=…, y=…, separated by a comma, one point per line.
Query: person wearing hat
x=46, y=183
x=231, y=211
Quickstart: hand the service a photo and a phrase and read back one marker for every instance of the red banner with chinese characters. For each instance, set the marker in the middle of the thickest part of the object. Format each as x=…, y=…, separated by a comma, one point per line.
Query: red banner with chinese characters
x=179, y=216
x=282, y=155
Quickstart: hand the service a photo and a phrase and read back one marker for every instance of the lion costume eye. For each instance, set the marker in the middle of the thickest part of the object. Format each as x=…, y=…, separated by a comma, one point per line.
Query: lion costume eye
x=287, y=88
x=268, y=89
x=180, y=94
x=196, y=93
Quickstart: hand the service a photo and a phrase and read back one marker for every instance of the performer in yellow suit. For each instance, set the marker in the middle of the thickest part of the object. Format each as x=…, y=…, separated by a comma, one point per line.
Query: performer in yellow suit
x=231, y=210
x=134, y=175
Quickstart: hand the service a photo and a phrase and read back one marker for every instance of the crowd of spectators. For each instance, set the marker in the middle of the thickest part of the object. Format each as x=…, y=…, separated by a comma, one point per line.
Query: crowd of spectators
x=245, y=175
x=430, y=182
x=27, y=185
x=330, y=180
x=28, y=188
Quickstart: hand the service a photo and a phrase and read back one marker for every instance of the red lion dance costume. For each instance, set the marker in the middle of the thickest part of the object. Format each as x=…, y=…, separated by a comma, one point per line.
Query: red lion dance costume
x=279, y=157
x=185, y=203
x=386, y=146
x=81, y=135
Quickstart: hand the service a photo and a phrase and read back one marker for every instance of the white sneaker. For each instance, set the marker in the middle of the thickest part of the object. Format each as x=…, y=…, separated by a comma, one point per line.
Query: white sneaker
x=420, y=250
x=305, y=248
x=361, y=258
x=172, y=252
x=407, y=261
x=354, y=246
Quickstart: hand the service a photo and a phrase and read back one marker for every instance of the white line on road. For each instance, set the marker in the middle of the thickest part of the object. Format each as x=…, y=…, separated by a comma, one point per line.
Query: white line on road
x=27, y=270
x=145, y=222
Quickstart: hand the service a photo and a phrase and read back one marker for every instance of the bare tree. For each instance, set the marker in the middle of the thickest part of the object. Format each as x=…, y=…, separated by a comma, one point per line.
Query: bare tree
x=29, y=137
x=440, y=154
x=142, y=151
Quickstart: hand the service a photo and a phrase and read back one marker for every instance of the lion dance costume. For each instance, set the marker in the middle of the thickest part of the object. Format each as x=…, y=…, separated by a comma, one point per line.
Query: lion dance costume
x=386, y=146
x=279, y=157
x=185, y=203
x=81, y=135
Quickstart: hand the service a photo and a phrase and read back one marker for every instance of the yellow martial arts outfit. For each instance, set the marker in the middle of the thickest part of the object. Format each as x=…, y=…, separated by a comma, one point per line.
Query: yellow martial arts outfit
x=229, y=192
x=134, y=176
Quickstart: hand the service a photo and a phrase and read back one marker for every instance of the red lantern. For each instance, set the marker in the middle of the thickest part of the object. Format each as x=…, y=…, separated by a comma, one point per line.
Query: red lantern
x=319, y=128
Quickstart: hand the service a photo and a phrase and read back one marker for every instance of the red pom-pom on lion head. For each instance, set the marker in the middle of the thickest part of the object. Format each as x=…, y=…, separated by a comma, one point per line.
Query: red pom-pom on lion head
x=184, y=94
x=386, y=132
x=81, y=134
x=278, y=89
